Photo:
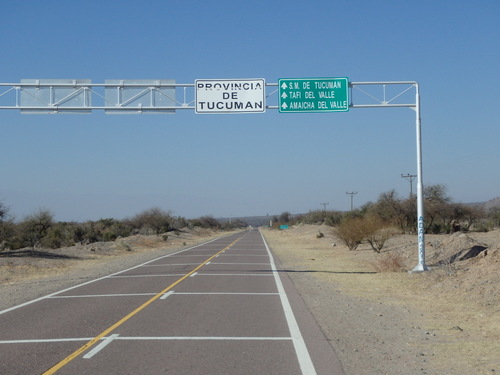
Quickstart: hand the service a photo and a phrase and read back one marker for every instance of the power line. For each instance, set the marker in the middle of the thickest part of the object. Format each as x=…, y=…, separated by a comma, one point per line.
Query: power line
x=352, y=194
x=409, y=177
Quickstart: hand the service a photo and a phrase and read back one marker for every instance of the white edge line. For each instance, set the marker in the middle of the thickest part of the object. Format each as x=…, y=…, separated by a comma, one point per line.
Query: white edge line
x=303, y=356
x=101, y=278
x=36, y=341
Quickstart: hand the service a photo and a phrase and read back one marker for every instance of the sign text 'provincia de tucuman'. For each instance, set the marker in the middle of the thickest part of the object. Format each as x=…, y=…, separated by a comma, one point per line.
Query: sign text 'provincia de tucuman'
x=230, y=95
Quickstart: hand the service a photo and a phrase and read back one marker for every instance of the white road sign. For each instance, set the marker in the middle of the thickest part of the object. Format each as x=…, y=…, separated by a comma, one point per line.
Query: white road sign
x=230, y=95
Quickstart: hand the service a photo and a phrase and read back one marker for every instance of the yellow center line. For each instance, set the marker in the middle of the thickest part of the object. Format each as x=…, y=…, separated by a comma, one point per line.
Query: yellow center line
x=104, y=333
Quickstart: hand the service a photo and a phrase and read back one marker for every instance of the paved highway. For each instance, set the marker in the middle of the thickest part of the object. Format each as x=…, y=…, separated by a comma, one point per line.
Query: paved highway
x=221, y=307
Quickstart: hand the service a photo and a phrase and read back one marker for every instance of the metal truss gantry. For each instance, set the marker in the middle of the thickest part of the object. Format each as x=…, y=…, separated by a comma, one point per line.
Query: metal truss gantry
x=44, y=96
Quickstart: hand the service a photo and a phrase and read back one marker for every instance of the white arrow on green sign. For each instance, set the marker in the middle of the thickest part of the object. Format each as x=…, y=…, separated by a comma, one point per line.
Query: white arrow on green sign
x=313, y=94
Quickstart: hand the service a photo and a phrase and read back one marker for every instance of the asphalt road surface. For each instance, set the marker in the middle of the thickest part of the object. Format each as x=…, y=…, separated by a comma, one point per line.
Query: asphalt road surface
x=222, y=307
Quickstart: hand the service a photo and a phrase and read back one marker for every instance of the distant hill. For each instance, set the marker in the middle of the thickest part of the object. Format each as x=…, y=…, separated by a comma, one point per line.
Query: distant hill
x=495, y=202
x=254, y=221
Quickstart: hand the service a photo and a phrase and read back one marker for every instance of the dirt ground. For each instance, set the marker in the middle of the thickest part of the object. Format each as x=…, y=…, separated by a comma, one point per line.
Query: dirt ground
x=446, y=321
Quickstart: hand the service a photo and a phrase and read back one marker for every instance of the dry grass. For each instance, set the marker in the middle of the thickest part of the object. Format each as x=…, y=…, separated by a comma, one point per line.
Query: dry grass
x=144, y=242
x=463, y=294
x=389, y=262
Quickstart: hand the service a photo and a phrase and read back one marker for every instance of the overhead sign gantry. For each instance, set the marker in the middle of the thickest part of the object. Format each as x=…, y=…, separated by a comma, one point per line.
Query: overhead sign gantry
x=218, y=96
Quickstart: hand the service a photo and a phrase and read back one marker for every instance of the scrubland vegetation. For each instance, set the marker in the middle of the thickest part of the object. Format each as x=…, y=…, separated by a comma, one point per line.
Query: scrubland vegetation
x=40, y=230
x=375, y=222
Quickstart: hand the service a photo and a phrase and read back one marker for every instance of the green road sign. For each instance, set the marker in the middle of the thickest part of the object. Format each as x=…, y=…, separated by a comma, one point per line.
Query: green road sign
x=313, y=94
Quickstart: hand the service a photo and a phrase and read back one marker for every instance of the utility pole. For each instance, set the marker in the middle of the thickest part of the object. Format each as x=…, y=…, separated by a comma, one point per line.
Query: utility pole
x=352, y=194
x=324, y=205
x=409, y=177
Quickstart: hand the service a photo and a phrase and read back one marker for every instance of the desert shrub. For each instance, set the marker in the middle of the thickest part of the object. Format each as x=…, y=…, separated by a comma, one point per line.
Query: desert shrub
x=53, y=240
x=284, y=217
x=154, y=219
x=351, y=232
x=391, y=209
x=483, y=226
x=101, y=230
x=4, y=211
x=78, y=233
x=389, y=262
x=35, y=227
x=207, y=222
x=13, y=243
x=330, y=218
x=494, y=216
x=179, y=222
x=355, y=229
x=91, y=233
x=313, y=217
x=377, y=232
x=7, y=227
x=440, y=212
x=435, y=228
x=115, y=229
x=61, y=234
x=333, y=218
x=107, y=230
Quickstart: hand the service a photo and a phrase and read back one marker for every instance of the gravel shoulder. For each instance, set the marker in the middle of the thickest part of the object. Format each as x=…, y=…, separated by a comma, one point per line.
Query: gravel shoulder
x=446, y=321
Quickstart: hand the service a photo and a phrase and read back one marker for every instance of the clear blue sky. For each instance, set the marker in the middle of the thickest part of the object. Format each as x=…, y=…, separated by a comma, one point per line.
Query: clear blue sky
x=87, y=167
